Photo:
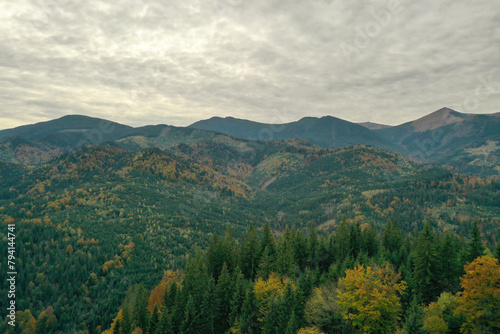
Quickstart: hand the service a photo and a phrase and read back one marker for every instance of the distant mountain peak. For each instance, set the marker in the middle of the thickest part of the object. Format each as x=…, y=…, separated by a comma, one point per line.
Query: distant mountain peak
x=437, y=119
x=374, y=126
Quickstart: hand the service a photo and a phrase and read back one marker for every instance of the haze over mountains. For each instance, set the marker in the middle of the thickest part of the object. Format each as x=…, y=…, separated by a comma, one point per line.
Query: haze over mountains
x=461, y=142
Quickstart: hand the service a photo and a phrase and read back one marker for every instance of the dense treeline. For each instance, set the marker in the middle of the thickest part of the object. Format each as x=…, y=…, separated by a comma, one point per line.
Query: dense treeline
x=353, y=281
x=91, y=223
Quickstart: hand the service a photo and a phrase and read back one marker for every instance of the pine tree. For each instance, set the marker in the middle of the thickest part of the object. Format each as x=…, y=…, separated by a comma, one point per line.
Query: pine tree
x=355, y=240
x=267, y=265
x=249, y=323
x=239, y=290
x=300, y=250
x=196, y=278
x=369, y=241
x=292, y=327
x=171, y=295
x=285, y=308
x=222, y=301
x=267, y=241
x=209, y=309
x=313, y=247
x=140, y=311
x=153, y=321
x=392, y=240
x=229, y=249
x=126, y=323
x=476, y=248
x=190, y=323
x=426, y=266
x=448, y=256
x=342, y=241
x=249, y=257
x=215, y=256
x=165, y=325
x=414, y=318
x=285, y=261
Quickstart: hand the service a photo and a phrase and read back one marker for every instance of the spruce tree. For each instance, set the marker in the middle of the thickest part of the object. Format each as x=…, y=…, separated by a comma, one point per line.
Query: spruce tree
x=165, y=325
x=292, y=327
x=369, y=241
x=249, y=257
x=222, y=301
x=209, y=309
x=449, y=267
x=229, y=250
x=153, y=321
x=476, y=248
x=355, y=240
x=300, y=243
x=285, y=261
x=342, y=241
x=414, y=319
x=267, y=265
x=196, y=278
x=190, y=324
x=426, y=266
x=140, y=311
x=267, y=241
x=285, y=308
x=239, y=290
x=313, y=247
x=171, y=295
x=126, y=323
x=249, y=323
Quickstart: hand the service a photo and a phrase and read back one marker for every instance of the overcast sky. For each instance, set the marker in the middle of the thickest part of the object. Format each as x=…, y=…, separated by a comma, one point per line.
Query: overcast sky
x=175, y=62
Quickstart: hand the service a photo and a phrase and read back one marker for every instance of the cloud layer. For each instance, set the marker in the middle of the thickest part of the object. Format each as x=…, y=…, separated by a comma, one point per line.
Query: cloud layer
x=176, y=62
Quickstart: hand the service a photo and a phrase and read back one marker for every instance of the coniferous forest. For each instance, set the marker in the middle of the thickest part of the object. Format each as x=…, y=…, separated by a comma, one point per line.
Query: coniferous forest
x=300, y=282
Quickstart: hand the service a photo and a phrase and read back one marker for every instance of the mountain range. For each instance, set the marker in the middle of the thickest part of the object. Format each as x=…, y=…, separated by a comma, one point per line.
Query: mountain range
x=101, y=206
x=467, y=143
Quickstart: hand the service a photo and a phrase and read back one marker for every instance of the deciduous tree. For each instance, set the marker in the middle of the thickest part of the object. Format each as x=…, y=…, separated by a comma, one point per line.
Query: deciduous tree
x=370, y=298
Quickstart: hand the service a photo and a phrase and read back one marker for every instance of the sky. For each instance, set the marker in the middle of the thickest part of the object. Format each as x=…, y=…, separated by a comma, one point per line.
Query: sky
x=176, y=62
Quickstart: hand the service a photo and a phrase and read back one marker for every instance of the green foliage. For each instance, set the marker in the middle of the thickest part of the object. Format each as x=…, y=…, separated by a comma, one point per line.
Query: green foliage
x=426, y=266
x=94, y=222
x=476, y=248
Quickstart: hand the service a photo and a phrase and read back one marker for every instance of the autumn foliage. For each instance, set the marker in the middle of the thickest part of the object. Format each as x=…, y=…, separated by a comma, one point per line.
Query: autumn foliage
x=369, y=298
x=479, y=301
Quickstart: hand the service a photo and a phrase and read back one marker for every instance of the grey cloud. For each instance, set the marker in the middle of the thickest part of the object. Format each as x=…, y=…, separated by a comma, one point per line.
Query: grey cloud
x=176, y=62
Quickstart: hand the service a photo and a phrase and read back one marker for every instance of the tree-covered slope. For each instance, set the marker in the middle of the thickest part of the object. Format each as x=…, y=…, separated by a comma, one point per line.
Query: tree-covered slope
x=326, y=131
x=94, y=221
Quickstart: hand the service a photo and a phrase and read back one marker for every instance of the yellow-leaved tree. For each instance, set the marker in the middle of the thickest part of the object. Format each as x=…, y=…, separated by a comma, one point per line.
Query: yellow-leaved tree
x=370, y=298
x=269, y=292
x=479, y=302
x=310, y=330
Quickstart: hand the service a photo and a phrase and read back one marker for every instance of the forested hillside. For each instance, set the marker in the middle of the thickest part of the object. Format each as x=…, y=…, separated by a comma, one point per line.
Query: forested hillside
x=354, y=281
x=94, y=222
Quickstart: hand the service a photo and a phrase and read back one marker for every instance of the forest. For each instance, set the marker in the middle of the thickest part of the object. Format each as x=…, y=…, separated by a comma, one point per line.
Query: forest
x=354, y=281
x=94, y=223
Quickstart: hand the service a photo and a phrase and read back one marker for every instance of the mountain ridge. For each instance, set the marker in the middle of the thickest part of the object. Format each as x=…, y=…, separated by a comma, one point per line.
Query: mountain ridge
x=460, y=142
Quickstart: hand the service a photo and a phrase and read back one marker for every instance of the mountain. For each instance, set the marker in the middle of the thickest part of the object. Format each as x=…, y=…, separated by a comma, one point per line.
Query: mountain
x=374, y=126
x=325, y=132
x=467, y=143
x=42, y=142
x=96, y=221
